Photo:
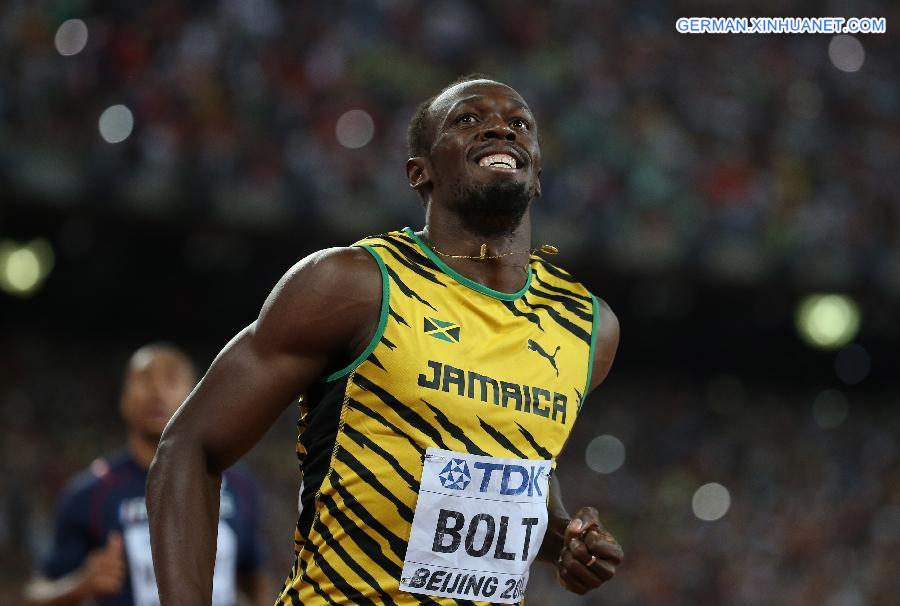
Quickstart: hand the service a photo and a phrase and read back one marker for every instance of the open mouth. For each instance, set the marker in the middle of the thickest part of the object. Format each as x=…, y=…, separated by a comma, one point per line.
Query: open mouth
x=499, y=162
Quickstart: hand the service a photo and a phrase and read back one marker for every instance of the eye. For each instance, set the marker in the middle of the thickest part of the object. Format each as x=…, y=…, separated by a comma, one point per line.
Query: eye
x=519, y=123
x=467, y=118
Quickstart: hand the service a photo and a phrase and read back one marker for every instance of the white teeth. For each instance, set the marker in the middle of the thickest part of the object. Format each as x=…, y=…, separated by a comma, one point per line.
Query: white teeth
x=499, y=160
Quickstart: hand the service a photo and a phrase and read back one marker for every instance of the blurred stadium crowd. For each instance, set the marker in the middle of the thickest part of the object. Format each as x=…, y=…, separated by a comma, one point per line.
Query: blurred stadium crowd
x=740, y=159
x=741, y=156
x=811, y=514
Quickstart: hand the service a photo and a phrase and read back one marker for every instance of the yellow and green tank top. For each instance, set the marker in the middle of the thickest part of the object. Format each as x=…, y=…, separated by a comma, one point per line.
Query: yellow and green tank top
x=454, y=365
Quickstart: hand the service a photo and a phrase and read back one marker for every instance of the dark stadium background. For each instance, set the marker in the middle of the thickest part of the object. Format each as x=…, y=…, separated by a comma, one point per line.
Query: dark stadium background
x=702, y=185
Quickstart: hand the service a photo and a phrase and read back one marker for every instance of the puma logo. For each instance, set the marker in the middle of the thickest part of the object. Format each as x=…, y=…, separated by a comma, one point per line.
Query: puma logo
x=536, y=348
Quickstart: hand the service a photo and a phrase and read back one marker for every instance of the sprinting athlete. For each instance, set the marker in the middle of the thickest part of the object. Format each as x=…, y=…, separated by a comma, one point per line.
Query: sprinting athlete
x=443, y=370
x=101, y=548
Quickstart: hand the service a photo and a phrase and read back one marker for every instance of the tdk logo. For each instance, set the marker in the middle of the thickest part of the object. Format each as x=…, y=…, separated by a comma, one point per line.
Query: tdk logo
x=456, y=475
x=514, y=479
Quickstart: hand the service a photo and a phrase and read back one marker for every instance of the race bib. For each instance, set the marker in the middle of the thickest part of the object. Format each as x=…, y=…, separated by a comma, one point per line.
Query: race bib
x=478, y=525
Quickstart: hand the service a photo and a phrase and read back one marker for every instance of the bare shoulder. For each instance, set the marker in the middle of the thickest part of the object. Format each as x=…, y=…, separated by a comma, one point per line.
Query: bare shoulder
x=346, y=270
x=329, y=299
x=607, y=323
x=606, y=342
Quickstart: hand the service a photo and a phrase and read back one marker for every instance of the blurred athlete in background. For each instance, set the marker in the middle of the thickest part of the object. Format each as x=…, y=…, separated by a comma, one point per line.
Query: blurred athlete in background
x=101, y=548
x=443, y=370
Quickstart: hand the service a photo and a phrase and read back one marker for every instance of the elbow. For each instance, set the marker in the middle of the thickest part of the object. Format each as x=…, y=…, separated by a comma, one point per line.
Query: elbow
x=176, y=449
x=159, y=471
x=180, y=460
x=157, y=466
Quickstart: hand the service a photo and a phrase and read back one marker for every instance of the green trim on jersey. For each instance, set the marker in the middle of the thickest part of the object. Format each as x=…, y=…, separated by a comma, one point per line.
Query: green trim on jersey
x=587, y=386
x=382, y=319
x=503, y=296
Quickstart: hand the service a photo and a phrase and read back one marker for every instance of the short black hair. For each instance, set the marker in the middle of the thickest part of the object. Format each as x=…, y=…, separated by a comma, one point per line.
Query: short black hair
x=418, y=138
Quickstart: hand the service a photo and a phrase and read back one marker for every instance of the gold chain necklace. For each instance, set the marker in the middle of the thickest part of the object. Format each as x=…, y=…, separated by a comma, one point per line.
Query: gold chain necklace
x=548, y=249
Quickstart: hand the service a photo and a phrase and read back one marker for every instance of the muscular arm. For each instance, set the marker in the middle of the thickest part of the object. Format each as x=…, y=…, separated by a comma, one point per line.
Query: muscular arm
x=606, y=344
x=322, y=312
x=564, y=542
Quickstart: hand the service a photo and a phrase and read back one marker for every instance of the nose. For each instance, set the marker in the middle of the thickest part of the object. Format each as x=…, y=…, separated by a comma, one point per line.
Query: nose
x=498, y=129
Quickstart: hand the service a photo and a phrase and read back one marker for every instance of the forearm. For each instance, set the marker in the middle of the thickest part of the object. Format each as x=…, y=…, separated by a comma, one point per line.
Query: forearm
x=558, y=519
x=183, y=505
x=65, y=591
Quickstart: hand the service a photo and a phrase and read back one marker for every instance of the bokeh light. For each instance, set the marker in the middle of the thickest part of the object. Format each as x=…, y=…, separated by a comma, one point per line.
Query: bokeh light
x=116, y=123
x=852, y=364
x=71, y=37
x=23, y=268
x=830, y=408
x=605, y=454
x=354, y=129
x=711, y=502
x=846, y=53
x=827, y=321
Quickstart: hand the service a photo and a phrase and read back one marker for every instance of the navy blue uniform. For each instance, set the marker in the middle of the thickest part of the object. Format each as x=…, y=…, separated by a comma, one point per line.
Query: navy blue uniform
x=110, y=496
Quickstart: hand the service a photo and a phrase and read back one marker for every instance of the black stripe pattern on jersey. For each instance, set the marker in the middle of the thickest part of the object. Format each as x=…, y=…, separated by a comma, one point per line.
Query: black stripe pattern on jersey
x=406, y=290
x=453, y=430
x=365, y=442
x=501, y=439
x=344, y=456
x=404, y=411
x=413, y=264
x=534, y=444
x=380, y=418
x=528, y=315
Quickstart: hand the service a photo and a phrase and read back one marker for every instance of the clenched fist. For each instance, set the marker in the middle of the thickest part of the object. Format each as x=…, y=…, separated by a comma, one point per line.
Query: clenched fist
x=590, y=554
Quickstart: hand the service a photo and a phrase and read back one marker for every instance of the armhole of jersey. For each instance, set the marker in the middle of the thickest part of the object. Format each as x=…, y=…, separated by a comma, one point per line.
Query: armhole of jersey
x=382, y=319
x=590, y=368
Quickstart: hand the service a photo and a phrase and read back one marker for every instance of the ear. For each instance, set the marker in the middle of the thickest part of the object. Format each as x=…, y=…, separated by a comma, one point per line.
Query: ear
x=418, y=173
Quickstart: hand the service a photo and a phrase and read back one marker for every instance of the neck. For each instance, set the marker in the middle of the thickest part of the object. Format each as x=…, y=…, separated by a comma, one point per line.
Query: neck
x=449, y=234
x=142, y=448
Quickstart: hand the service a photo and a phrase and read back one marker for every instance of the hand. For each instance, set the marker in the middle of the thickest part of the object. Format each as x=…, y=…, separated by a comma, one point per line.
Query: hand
x=103, y=571
x=589, y=555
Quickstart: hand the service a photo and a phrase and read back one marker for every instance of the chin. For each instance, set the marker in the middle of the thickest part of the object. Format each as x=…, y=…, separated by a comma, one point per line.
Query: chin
x=495, y=207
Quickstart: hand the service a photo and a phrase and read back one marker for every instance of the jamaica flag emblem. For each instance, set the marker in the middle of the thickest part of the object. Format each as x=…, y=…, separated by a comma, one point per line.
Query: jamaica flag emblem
x=439, y=329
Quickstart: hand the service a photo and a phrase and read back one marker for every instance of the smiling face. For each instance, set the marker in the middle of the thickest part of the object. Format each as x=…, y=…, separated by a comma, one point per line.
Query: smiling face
x=485, y=160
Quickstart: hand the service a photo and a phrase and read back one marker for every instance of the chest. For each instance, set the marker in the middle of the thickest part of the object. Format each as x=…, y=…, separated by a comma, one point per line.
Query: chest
x=480, y=365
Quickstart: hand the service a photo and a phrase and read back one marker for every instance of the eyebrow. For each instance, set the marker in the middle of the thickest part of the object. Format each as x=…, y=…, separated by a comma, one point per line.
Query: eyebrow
x=472, y=98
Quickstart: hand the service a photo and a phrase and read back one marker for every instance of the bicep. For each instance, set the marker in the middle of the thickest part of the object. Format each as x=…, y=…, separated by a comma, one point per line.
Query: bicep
x=311, y=317
x=241, y=395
